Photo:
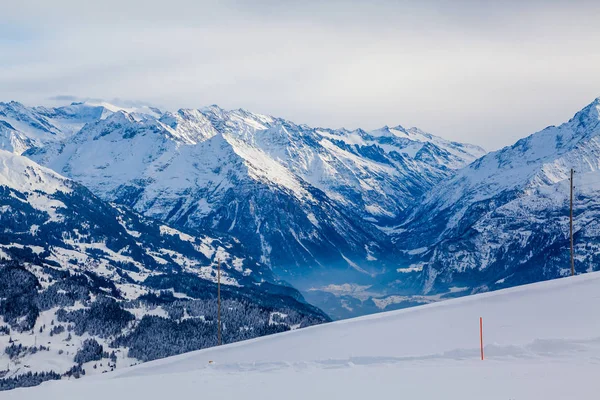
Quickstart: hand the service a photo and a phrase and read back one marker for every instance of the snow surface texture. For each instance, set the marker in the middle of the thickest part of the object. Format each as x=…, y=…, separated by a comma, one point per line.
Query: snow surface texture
x=542, y=341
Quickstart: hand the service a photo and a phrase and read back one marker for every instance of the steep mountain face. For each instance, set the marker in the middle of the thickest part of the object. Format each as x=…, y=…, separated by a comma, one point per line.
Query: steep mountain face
x=86, y=285
x=504, y=220
x=12, y=140
x=311, y=203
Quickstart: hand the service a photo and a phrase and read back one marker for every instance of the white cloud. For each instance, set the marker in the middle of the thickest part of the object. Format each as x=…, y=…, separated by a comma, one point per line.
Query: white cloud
x=483, y=72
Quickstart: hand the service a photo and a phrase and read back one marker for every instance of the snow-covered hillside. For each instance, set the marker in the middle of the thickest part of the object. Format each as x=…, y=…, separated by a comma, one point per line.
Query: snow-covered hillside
x=542, y=342
x=79, y=275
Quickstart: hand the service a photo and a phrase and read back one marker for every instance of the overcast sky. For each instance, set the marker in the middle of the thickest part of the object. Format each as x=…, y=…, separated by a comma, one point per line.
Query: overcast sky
x=482, y=72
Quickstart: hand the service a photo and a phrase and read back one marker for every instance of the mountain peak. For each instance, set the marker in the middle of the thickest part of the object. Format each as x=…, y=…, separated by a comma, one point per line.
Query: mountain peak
x=190, y=125
x=14, y=106
x=213, y=108
x=120, y=116
x=592, y=110
x=383, y=131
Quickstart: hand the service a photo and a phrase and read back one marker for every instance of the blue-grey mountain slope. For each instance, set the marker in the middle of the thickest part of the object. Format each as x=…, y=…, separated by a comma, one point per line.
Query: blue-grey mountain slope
x=504, y=220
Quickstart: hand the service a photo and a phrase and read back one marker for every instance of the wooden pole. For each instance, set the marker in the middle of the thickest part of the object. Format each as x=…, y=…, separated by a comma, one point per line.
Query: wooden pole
x=219, y=300
x=571, y=227
x=481, y=336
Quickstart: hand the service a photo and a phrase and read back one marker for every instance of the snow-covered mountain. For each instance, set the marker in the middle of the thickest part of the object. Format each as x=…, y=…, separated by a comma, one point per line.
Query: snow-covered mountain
x=89, y=285
x=540, y=343
x=62, y=222
x=311, y=203
x=504, y=220
x=22, y=127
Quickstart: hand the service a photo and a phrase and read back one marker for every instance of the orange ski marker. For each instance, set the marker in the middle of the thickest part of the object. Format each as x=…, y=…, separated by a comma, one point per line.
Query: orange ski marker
x=481, y=336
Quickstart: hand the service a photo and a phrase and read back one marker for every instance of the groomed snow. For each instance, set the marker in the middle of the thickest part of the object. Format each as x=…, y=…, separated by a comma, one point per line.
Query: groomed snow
x=542, y=341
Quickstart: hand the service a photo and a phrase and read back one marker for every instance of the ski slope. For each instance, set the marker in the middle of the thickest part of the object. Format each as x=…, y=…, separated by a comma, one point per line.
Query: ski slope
x=542, y=341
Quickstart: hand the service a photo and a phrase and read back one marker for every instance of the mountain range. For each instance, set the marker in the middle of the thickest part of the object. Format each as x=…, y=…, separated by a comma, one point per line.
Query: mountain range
x=143, y=203
x=313, y=204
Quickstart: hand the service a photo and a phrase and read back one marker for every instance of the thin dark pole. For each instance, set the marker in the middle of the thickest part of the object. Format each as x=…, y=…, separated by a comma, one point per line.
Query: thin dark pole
x=571, y=227
x=219, y=300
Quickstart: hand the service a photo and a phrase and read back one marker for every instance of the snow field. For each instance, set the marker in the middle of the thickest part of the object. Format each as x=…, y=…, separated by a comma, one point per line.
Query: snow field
x=542, y=341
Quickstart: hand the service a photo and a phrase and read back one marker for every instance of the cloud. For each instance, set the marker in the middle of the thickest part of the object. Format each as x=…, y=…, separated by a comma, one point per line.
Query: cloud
x=62, y=98
x=483, y=72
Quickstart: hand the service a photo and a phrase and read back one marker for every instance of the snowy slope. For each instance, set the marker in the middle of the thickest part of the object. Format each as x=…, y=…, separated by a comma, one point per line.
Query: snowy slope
x=12, y=140
x=541, y=342
x=503, y=220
